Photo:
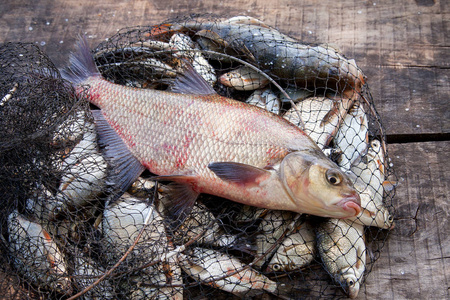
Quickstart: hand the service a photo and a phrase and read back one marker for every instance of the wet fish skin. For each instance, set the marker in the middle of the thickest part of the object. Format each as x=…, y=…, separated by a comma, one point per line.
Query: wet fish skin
x=321, y=116
x=342, y=248
x=36, y=255
x=186, y=48
x=369, y=180
x=266, y=99
x=352, y=137
x=296, y=251
x=244, y=79
x=215, y=145
x=201, y=220
x=122, y=221
x=270, y=229
x=205, y=265
x=285, y=57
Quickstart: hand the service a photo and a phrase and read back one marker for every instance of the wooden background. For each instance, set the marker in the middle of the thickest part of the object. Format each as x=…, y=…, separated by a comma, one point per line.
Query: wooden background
x=403, y=48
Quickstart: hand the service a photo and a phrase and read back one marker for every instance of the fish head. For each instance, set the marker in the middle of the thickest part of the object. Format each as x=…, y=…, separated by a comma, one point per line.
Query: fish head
x=384, y=218
x=63, y=285
x=351, y=285
x=317, y=186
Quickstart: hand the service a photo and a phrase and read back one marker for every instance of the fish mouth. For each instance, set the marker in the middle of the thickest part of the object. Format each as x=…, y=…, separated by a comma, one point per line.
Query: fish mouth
x=351, y=203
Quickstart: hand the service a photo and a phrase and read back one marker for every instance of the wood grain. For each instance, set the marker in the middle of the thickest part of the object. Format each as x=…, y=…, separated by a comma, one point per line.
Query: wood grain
x=403, y=48
x=416, y=259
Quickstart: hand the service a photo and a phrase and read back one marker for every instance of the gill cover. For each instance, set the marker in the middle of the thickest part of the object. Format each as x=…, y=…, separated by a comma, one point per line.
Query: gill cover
x=315, y=183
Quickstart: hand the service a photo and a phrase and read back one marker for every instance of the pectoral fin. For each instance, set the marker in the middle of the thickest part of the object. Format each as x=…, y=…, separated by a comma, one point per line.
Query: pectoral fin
x=239, y=173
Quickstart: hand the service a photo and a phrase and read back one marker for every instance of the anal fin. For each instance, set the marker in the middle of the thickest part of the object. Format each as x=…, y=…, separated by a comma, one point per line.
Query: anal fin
x=179, y=200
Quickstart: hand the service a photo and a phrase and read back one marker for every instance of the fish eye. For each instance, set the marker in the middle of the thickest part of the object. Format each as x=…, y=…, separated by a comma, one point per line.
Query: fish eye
x=333, y=177
x=350, y=282
x=391, y=218
x=276, y=267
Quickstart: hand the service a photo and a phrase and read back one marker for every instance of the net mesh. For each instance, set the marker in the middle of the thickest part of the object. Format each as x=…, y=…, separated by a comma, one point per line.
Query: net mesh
x=67, y=233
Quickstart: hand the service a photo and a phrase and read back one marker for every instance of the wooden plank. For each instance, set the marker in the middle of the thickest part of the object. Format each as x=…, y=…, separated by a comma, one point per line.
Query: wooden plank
x=415, y=263
x=401, y=46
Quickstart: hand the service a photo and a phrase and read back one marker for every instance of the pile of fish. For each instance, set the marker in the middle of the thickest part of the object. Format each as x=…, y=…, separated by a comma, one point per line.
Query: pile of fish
x=108, y=224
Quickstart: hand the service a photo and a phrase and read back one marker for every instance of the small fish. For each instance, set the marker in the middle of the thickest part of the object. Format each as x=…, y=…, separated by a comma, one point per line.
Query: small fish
x=271, y=228
x=71, y=130
x=352, y=137
x=225, y=272
x=266, y=99
x=296, y=95
x=85, y=272
x=199, y=221
x=206, y=143
x=244, y=78
x=36, y=255
x=374, y=171
x=370, y=181
x=374, y=212
x=321, y=116
x=122, y=221
x=142, y=188
x=297, y=250
x=84, y=171
x=185, y=48
x=342, y=248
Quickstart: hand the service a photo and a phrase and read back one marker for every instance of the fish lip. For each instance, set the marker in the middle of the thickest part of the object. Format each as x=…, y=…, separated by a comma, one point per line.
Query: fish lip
x=350, y=203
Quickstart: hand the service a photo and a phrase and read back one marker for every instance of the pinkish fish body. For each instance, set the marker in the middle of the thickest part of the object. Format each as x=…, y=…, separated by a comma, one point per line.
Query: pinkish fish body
x=210, y=144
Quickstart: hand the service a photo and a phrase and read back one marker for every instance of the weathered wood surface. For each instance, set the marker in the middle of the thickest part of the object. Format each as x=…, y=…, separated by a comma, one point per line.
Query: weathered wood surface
x=415, y=262
x=403, y=48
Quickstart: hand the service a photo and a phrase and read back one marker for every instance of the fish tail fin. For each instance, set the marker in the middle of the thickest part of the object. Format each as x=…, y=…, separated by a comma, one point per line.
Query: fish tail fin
x=82, y=64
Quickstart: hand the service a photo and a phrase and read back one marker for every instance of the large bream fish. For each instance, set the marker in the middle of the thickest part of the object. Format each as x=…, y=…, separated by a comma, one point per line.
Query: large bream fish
x=206, y=143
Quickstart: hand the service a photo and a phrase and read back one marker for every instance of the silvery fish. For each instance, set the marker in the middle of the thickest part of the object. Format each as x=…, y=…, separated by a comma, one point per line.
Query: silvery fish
x=185, y=48
x=202, y=221
x=352, y=137
x=321, y=116
x=284, y=57
x=271, y=228
x=265, y=98
x=36, y=255
x=342, y=248
x=374, y=212
x=225, y=272
x=369, y=180
x=206, y=143
x=84, y=171
x=85, y=272
x=122, y=221
x=244, y=78
x=296, y=251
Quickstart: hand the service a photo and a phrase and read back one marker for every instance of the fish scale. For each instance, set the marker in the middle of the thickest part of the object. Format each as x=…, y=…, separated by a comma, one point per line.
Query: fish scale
x=210, y=144
x=182, y=128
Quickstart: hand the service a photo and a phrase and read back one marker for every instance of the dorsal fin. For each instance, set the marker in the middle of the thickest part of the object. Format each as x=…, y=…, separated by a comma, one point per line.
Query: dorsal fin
x=191, y=82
